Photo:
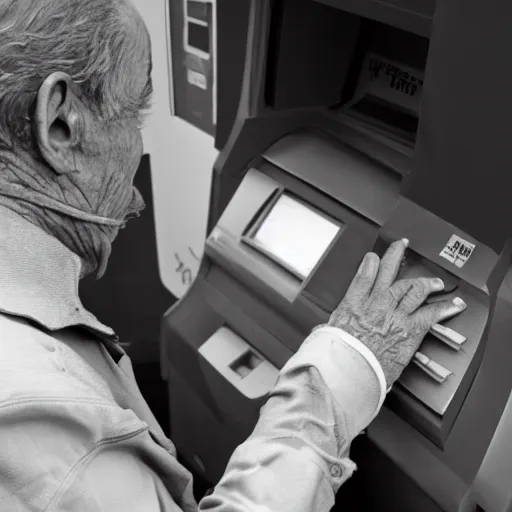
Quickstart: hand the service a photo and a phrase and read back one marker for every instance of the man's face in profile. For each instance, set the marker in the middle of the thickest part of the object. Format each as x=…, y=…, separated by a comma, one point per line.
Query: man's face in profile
x=116, y=148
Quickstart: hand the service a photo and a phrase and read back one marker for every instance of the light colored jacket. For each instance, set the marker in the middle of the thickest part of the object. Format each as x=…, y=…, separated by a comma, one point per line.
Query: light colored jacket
x=77, y=435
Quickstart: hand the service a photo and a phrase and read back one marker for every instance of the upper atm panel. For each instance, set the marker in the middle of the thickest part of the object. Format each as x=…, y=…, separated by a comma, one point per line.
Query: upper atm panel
x=384, y=86
x=354, y=65
x=411, y=15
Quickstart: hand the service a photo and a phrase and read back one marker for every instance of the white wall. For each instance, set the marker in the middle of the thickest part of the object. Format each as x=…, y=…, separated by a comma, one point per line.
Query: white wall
x=182, y=158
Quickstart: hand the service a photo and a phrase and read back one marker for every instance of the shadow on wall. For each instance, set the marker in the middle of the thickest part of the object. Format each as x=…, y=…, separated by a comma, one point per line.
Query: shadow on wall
x=130, y=297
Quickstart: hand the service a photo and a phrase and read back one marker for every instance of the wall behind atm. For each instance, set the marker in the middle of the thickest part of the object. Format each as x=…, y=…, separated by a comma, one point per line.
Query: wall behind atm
x=182, y=158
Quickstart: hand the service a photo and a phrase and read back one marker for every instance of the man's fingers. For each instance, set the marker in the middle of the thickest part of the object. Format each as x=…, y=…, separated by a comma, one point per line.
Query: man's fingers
x=412, y=293
x=390, y=264
x=363, y=281
x=432, y=314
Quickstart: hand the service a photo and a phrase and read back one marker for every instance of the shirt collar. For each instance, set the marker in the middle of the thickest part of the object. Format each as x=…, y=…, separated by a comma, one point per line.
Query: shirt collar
x=39, y=278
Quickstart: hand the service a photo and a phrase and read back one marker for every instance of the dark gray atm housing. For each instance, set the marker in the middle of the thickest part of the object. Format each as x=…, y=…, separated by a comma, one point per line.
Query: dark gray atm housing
x=391, y=119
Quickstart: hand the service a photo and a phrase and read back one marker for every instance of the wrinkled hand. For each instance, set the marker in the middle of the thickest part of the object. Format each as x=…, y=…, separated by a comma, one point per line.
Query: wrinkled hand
x=387, y=316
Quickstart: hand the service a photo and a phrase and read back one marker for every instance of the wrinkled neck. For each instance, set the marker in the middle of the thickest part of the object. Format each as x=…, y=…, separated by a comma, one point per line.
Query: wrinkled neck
x=32, y=191
x=89, y=242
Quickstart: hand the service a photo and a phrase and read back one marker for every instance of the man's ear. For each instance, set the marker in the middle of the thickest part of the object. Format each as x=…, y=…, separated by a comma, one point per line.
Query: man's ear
x=57, y=127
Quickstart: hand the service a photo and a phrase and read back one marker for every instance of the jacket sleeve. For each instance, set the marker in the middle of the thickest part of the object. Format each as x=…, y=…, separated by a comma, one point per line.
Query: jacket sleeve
x=298, y=454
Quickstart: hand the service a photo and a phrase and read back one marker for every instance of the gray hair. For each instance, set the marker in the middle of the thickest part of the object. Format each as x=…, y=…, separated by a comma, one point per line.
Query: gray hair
x=90, y=40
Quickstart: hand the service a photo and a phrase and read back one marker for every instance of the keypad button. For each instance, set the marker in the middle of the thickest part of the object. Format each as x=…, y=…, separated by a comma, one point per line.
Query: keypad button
x=448, y=336
x=431, y=367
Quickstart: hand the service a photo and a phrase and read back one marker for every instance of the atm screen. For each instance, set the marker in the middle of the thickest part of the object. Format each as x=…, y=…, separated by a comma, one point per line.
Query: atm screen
x=199, y=36
x=294, y=235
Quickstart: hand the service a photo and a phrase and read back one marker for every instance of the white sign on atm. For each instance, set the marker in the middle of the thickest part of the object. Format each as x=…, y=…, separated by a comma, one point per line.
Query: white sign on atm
x=457, y=251
x=391, y=81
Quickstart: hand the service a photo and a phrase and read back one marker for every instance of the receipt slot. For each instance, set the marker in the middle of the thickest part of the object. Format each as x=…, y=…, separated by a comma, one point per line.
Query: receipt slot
x=358, y=126
x=240, y=364
x=220, y=384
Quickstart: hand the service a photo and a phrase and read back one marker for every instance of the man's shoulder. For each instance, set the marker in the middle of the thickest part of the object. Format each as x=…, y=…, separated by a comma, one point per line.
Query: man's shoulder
x=32, y=367
x=21, y=340
x=50, y=420
x=28, y=357
x=24, y=349
x=37, y=371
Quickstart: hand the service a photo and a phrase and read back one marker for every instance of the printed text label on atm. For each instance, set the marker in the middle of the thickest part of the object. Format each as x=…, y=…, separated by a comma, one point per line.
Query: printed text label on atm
x=457, y=251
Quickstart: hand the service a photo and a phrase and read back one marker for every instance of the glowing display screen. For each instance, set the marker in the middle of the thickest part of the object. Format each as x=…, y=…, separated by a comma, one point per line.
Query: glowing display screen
x=295, y=235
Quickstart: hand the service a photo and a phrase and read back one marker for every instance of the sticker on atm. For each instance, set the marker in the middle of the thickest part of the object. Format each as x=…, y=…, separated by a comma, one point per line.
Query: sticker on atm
x=457, y=251
x=391, y=81
x=197, y=79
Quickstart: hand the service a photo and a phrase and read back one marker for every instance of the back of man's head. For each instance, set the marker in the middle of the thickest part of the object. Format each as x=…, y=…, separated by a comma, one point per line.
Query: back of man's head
x=89, y=40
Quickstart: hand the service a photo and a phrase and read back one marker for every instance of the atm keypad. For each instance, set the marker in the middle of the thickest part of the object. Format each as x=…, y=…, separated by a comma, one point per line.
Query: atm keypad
x=412, y=268
x=431, y=367
x=448, y=348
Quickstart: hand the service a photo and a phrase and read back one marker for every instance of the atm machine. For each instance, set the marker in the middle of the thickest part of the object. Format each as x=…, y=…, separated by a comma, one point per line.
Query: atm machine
x=192, y=44
x=361, y=122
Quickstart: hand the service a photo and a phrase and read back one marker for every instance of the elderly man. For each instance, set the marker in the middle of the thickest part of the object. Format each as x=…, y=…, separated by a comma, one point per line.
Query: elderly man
x=75, y=432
